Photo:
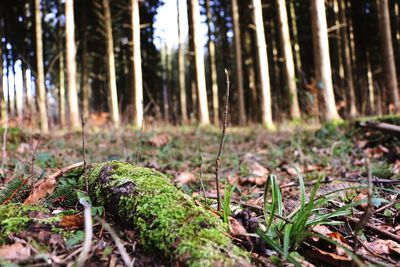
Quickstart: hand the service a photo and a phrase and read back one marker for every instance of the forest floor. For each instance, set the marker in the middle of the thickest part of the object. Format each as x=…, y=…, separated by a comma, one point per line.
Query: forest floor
x=335, y=182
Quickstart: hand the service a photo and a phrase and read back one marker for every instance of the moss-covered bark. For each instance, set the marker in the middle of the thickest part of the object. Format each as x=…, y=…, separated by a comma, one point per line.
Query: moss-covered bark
x=165, y=218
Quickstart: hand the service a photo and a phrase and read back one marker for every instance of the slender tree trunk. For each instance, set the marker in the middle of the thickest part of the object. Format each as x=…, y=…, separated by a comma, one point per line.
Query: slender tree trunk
x=137, y=63
x=40, y=87
x=2, y=104
x=181, y=62
x=112, y=80
x=371, y=96
x=62, y=91
x=213, y=65
x=348, y=70
x=296, y=46
x=18, y=94
x=387, y=51
x=239, y=62
x=165, y=84
x=321, y=58
x=263, y=65
x=71, y=64
x=26, y=102
x=199, y=63
x=85, y=67
x=289, y=63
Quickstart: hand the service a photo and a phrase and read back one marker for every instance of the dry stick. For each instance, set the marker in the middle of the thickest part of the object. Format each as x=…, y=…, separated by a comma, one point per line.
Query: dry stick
x=33, y=160
x=125, y=257
x=139, y=148
x=201, y=180
x=87, y=243
x=368, y=212
x=84, y=153
x=375, y=229
x=218, y=160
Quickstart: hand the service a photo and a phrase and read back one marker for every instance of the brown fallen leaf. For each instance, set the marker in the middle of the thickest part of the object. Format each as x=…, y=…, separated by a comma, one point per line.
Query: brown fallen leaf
x=159, y=140
x=72, y=221
x=381, y=247
x=46, y=186
x=363, y=197
x=235, y=228
x=16, y=251
x=185, y=178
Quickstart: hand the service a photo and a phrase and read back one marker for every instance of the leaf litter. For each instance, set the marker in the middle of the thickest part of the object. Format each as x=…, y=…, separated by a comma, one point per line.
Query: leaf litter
x=333, y=156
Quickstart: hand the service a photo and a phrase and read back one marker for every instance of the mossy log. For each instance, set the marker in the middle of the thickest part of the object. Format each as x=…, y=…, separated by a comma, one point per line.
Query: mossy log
x=166, y=219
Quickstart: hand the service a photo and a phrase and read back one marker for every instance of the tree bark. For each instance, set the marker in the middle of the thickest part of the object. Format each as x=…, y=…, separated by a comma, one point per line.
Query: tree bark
x=85, y=67
x=288, y=56
x=181, y=62
x=263, y=65
x=321, y=58
x=137, y=63
x=388, y=54
x=40, y=87
x=71, y=64
x=348, y=70
x=62, y=91
x=2, y=104
x=111, y=77
x=213, y=65
x=199, y=63
x=239, y=61
x=296, y=46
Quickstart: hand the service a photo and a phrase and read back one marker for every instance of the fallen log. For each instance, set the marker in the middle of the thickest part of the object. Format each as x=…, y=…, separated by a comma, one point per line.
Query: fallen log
x=165, y=218
x=381, y=126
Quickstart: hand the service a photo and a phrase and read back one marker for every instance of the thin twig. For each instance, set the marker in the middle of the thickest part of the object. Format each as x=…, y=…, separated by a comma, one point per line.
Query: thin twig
x=32, y=164
x=125, y=257
x=368, y=212
x=84, y=153
x=218, y=160
x=87, y=243
x=375, y=229
x=201, y=180
x=139, y=148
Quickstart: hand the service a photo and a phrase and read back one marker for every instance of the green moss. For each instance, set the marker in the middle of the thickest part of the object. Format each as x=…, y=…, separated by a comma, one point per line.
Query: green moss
x=14, y=217
x=166, y=218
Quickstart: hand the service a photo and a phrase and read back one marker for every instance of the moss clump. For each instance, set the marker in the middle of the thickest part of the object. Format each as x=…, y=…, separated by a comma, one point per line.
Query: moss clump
x=14, y=217
x=166, y=218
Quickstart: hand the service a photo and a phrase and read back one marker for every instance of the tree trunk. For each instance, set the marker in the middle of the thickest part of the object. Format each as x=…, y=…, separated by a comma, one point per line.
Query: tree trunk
x=263, y=65
x=199, y=63
x=321, y=58
x=85, y=67
x=387, y=52
x=179, y=229
x=2, y=104
x=62, y=91
x=71, y=64
x=40, y=87
x=371, y=94
x=348, y=70
x=213, y=65
x=111, y=78
x=239, y=62
x=288, y=56
x=296, y=46
x=181, y=62
x=137, y=63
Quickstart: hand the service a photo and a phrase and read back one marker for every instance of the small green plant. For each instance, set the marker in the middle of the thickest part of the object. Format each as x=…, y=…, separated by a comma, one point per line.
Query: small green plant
x=285, y=234
x=227, y=201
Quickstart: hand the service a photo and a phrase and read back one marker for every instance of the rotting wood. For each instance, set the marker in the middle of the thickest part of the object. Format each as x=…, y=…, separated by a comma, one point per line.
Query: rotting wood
x=381, y=126
x=166, y=219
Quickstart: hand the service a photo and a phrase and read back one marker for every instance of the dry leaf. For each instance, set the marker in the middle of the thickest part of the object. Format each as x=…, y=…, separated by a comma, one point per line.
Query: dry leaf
x=72, y=221
x=159, y=140
x=235, y=228
x=362, y=197
x=381, y=247
x=185, y=178
x=16, y=251
x=46, y=186
x=321, y=229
